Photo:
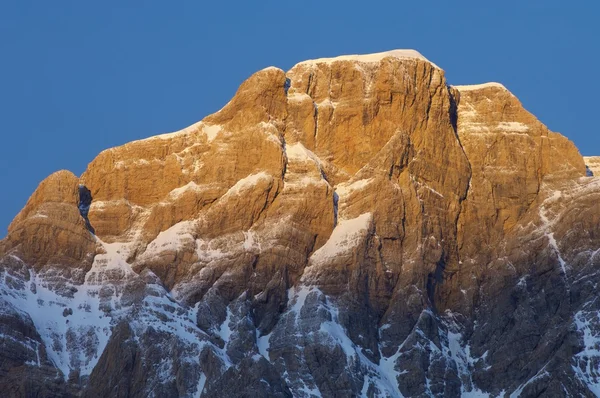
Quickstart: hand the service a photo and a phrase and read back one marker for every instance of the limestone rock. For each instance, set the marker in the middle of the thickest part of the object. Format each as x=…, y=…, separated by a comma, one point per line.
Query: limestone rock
x=50, y=230
x=352, y=227
x=593, y=165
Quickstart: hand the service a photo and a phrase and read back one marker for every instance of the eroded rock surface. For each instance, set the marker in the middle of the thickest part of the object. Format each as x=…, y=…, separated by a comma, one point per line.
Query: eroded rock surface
x=352, y=227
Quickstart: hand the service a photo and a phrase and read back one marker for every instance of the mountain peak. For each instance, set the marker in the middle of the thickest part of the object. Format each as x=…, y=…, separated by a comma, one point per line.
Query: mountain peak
x=374, y=57
x=352, y=227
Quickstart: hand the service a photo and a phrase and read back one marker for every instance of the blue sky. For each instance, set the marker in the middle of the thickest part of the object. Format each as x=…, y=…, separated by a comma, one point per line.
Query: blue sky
x=77, y=77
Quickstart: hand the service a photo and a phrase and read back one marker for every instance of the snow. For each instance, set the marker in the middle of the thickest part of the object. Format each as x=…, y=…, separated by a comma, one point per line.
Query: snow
x=513, y=126
x=345, y=236
x=270, y=68
x=591, y=339
x=388, y=372
x=547, y=227
x=554, y=245
x=429, y=188
x=331, y=332
x=311, y=392
x=539, y=375
x=90, y=325
x=507, y=128
x=100, y=205
x=263, y=344
x=137, y=162
x=475, y=393
x=588, y=325
x=76, y=341
x=163, y=313
x=297, y=297
x=250, y=241
x=365, y=388
x=473, y=87
x=382, y=375
x=201, y=384
x=298, y=152
x=206, y=252
x=464, y=361
x=336, y=332
x=226, y=247
x=190, y=186
x=523, y=281
x=272, y=132
x=298, y=175
x=371, y=58
x=167, y=136
x=246, y=183
x=211, y=131
x=170, y=239
x=225, y=331
x=345, y=189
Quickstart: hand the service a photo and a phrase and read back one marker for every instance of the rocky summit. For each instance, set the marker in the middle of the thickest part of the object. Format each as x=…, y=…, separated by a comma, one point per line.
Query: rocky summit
x=355, y=226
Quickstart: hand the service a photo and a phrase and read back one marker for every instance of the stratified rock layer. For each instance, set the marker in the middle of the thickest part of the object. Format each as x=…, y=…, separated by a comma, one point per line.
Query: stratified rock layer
x=353, y=227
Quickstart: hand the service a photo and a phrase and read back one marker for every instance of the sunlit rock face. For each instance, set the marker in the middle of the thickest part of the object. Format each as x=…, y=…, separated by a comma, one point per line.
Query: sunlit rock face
x=355, y=226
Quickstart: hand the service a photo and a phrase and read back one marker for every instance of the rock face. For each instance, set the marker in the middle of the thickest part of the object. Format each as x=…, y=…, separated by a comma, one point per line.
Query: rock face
x=352, y=227
x=593, y=165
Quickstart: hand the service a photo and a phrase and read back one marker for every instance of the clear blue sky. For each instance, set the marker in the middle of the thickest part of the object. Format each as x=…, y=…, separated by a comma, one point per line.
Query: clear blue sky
x=77, y=77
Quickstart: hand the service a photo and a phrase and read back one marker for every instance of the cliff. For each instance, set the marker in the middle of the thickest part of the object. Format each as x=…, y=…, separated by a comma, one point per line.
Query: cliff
x=354, y=226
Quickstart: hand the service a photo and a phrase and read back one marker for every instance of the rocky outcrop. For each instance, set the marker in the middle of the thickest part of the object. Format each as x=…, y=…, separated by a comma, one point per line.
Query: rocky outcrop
x=593, y=165
x=352, y=227
x=49, y=237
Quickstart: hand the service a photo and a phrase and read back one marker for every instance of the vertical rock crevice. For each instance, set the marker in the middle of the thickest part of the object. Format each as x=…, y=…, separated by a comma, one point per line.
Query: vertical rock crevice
x=84, y=203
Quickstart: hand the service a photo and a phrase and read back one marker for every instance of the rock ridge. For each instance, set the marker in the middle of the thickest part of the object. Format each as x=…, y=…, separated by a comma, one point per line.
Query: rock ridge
x=354, y=226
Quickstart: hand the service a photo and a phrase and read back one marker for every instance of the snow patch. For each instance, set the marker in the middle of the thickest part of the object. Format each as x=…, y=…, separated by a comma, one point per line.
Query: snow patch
x=299, y=153
x=167, y=136
x=543, y=373
x=345, y=236
x=473, y=87
x=344, y=189
x=211, y=131
x=336, y=331
x=263, y=344
x=81, y=316
x=246, y=183
x=250, y=241
x=201, y=384
x=190, y=186
x=171, y=239
x=297, y=297
x=225, y=331
x=268, y=68
x=513, y=126
x=372, y=58
x=546, y=228
x=388, y=370
x=585, y=363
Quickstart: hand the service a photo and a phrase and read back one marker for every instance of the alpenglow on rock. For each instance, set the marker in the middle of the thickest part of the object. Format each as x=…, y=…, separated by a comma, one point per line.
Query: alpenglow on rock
x=354, y=226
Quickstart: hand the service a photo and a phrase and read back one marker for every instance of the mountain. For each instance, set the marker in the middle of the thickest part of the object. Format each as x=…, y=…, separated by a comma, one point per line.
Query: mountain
x=354, y=226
